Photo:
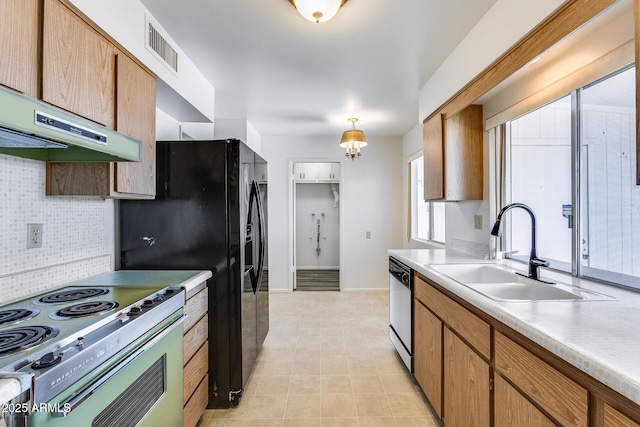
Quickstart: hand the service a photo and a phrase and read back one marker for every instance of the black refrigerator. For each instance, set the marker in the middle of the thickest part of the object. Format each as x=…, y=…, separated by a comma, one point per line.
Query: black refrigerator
x=209, y=214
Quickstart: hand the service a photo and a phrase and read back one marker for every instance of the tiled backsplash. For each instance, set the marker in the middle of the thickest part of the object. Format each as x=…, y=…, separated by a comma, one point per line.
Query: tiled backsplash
x=472, y=248
x=75, y=244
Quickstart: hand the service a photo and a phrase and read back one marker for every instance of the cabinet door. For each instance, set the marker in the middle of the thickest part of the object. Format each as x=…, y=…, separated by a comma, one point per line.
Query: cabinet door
x=19, y=45
x=306, y=171
x=463, y=170
x=324, y=172
x=554, y=392
x=428, y=354
x=136, y=117
x=328, y=172
x=335, y=170
x=466, y=385
x=78, y=65
x=614, y=418
x=512, y=409
x=433, y=148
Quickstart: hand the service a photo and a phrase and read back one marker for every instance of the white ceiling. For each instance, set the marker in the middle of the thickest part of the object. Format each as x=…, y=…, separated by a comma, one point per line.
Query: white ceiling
x=289, y=76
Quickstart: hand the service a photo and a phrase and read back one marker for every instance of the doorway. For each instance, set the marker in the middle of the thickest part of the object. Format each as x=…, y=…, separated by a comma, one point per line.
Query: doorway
x=316, y=226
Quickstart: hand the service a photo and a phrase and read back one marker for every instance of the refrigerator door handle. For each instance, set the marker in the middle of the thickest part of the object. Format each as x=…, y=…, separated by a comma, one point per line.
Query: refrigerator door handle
x=261, y=227
x=254, y=202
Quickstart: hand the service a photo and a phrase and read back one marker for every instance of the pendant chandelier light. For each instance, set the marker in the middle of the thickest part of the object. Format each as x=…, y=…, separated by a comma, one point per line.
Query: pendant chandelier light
x=317, y=10
x=352, y=140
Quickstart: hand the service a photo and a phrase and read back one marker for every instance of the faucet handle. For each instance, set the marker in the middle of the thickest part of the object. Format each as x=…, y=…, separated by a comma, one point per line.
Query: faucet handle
x=539, y=262
x=504, y=254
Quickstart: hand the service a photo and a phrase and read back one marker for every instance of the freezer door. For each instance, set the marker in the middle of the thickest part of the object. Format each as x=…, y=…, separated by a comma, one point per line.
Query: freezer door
x=263, y=285
x=250, y=259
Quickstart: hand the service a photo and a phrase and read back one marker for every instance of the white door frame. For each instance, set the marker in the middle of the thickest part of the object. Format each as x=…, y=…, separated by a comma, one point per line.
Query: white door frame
x=291, y=255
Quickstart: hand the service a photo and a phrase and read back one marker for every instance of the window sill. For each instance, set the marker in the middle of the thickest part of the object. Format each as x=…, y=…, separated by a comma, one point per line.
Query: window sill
x=431, y=243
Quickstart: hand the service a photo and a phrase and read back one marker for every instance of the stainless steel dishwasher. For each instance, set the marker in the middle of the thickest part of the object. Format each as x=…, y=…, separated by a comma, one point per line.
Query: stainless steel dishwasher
x=401, y=310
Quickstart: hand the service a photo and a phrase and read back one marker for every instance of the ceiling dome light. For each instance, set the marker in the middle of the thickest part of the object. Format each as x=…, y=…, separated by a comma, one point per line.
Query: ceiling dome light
x=317, y=10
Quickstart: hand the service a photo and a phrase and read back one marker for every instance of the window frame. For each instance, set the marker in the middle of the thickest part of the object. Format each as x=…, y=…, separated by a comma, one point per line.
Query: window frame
x=577, y=269
x=412, y=218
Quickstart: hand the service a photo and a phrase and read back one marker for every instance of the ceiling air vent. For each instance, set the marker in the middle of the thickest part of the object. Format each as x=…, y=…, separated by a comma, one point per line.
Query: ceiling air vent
x=161, y=47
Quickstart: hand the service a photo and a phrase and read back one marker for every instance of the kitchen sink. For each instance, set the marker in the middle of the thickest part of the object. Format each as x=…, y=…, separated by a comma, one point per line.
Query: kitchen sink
x=502, y=284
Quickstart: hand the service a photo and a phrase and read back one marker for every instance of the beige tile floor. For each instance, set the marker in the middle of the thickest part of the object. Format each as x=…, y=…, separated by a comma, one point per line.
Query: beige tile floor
x=327, y=361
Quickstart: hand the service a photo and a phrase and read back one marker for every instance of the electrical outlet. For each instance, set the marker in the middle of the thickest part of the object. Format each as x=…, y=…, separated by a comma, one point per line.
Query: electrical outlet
x=477, y=222
x=34, y=236
x=368, y=234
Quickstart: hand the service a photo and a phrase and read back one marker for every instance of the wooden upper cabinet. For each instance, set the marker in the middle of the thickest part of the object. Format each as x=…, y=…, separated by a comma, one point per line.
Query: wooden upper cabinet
x=19, y=35
x=78, y=65
x=85, y=73
x=433, y=148
x=453, y=167
x=136, y=117
x=463, y=173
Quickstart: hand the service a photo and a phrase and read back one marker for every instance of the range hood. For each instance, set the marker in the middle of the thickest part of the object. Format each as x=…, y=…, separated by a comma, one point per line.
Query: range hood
x=36, y=130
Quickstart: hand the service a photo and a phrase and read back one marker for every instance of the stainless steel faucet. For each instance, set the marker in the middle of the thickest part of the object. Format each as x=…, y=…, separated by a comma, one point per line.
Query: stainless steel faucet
x=534, y=262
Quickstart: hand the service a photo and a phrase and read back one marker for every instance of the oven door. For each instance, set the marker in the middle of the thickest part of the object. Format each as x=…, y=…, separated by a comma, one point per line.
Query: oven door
x=143, y=389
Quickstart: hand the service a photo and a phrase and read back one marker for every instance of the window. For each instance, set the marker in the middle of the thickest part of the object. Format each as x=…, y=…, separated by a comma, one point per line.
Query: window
x=540, y=176
x=573, y=161
x=427, y=218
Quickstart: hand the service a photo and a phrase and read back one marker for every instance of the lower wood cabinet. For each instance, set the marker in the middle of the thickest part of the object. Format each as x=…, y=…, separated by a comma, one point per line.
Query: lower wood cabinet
x=513, y=409
x=466, y=385
x=428, y=354
x=452, y=373
x=554, y=392
x=614, y=418
x=196, y=356
x=476, y=371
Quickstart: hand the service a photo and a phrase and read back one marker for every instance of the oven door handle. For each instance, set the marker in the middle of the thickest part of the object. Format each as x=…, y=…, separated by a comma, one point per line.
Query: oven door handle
x=67, y=407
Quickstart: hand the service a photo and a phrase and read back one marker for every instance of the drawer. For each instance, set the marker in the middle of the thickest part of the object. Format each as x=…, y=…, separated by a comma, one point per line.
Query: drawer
x=562, y=398
x=195, y=308
x=195, y=370
x=475, y=331
x=195, y=407
x=194, y=339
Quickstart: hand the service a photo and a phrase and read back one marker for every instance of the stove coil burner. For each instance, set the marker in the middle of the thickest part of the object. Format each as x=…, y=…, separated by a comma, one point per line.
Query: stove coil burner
x=24, y=337
x=72, y=295
x=83, y=309
x=13, y=316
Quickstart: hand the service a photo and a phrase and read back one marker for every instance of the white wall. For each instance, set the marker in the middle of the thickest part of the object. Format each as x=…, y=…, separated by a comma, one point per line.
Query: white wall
x=167, y=128
x=371, y=194
x=501, y=27
x=239, y=129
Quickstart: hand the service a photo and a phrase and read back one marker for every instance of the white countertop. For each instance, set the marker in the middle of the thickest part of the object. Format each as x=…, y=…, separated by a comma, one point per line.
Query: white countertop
x=601, y=338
